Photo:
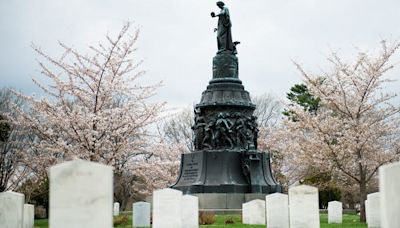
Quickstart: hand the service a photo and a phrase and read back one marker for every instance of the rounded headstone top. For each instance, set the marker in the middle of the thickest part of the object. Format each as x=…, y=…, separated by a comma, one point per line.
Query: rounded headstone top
x=79, y=164
x=303, y=189
x=373, y=195
x=167, y=191
x=255, y=201
x=11, y=194
x=276, y=195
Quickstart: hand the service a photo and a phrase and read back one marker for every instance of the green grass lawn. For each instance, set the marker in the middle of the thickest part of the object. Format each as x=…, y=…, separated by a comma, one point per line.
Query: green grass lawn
x=349, y=221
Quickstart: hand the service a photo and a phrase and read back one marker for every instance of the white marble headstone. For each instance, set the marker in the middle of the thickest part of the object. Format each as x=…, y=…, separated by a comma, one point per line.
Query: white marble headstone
x=277, y=210
x=167, y=208
x=303, y=206
x=141, y=214
x=81, y=195
x=116, y=209
x=389, y=185
x=366, y=211
x=253, y=212
x=190, y=211
x=11, y=209
x=374, y=217
x=335, y=211
x=29, y=216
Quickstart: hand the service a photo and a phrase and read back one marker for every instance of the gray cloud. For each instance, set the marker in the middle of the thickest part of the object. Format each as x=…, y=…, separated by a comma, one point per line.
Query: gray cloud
x=177, y=42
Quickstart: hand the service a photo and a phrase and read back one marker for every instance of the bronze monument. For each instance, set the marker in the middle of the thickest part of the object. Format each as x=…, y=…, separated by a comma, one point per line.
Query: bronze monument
x=225, y=159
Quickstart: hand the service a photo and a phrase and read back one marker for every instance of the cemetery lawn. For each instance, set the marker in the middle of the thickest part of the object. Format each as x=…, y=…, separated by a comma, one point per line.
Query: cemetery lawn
x=349, y=221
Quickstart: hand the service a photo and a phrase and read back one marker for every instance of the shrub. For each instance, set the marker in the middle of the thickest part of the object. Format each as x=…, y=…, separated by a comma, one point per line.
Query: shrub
x=206, y=218
x=121, y=220
x=229, y=220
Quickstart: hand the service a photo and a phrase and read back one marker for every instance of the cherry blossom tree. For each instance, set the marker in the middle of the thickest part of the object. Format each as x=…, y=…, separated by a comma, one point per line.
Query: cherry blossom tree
x=13, y=150
x=269, y=116
x=176, y=129
x=95, y=106
x=157, y=168
x=268, y=110
x=356, y=129
x=160, y=170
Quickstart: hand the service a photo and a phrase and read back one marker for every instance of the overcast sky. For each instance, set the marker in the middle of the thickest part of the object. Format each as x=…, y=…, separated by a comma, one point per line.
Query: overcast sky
x=177, y=41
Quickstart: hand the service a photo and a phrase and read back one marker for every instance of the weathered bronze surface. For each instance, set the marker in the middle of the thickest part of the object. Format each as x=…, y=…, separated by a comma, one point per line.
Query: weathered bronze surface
x=225, y=159
x=224, y=33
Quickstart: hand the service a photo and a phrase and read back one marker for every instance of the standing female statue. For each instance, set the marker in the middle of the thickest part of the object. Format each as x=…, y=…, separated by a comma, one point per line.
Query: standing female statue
x=224, y=35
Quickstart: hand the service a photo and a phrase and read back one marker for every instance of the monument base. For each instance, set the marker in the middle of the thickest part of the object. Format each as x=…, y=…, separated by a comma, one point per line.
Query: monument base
x=226, y=172
x=222, y=203
x=225, y=201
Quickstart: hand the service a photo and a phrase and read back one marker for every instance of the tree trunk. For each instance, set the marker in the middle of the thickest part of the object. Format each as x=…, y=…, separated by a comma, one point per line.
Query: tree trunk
x=363, y=197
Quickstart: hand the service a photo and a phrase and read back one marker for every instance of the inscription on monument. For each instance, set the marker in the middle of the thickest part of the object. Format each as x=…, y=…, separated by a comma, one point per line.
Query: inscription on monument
x=191, y=171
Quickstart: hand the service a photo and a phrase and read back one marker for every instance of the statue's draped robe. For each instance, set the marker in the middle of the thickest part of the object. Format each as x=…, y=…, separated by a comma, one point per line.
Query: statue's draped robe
x=224, y=35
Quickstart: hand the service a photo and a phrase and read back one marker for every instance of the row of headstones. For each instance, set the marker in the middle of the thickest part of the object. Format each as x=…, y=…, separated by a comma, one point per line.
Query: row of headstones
x=171, y=209
x=299, y=209
x=13, y=211
x=140, y=213
x=382, y=208
x=81, y=195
